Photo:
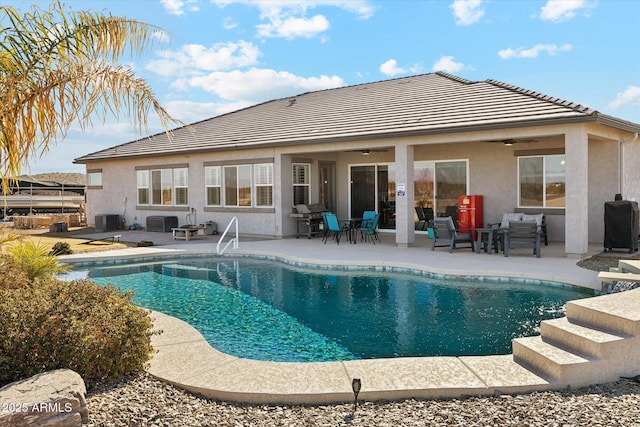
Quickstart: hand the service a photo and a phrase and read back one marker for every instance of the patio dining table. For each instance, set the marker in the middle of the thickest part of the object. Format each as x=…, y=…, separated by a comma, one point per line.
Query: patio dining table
x=352, y=225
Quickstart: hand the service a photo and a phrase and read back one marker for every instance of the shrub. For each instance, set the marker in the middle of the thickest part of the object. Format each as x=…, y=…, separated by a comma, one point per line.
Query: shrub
x=61, y=248
x=145, y=243
x=96, y=331
x=35, y=261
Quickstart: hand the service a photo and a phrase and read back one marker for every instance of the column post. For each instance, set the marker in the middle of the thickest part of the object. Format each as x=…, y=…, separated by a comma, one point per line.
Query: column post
x=576, y=220
x=405, y=228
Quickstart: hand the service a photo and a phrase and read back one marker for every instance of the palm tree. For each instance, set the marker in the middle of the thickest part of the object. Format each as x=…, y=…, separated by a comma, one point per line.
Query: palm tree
x=59, y=67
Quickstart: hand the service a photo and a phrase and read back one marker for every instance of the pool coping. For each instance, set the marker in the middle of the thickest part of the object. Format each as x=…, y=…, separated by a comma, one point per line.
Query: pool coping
x=184, y=358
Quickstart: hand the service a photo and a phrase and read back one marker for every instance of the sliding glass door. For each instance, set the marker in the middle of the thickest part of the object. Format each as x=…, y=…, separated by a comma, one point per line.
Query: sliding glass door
x=437, y=185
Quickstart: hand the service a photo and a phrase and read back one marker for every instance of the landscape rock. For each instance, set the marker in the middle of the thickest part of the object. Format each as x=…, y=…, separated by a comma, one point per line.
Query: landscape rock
x=54, y=398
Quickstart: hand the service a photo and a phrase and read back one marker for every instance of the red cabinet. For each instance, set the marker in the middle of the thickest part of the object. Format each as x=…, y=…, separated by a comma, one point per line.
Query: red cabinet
x=470, y=213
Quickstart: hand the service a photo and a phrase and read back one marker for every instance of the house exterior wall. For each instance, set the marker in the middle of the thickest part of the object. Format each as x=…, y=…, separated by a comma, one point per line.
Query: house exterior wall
x=630, y=154
x=603, y=184
x=492, y=170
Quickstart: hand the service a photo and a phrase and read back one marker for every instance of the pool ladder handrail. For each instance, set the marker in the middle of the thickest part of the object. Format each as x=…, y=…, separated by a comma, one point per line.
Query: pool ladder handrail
x=234, y=240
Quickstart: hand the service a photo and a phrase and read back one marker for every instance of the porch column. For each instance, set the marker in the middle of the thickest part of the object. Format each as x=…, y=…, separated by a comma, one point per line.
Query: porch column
x=405, y=230
x=576, y=220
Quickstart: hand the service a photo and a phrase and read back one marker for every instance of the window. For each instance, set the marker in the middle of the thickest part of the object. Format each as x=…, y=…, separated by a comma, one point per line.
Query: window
x=301, y=185
x=212, y=181
x=239, y=185
x=143, y=187
x=94, y=178
x=164, y=187
x=181, y=186
x=541, y=181
x=264, y=184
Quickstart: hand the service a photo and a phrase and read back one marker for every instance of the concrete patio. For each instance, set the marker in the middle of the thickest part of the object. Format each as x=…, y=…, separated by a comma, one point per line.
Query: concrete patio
x=185, y=359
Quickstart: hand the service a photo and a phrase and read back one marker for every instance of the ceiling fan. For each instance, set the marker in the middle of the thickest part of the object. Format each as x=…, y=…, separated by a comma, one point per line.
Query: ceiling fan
x=367, y=151
x=511, y=141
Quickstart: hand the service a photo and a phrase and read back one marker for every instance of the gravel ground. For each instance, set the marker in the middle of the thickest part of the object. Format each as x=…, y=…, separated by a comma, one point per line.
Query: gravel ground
x=145, y=401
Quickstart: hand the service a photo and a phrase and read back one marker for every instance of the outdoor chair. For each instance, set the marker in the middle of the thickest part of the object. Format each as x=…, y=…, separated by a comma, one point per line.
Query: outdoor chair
x=422, y=220
x=445, y=234
x=522, y=234
x=368, y=228
x=331, y=225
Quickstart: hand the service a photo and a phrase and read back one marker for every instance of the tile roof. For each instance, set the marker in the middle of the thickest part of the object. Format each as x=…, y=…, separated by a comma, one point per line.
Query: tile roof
x=422, y=104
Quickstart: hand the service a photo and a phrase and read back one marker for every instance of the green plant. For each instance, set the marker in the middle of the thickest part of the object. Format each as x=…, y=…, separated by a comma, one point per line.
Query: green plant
x=145, y=243
x=35, y=261
x=96, y=331
x=61, y=248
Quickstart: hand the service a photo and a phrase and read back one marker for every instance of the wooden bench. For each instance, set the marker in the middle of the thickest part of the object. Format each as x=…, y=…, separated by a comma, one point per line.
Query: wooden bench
x=188, y=233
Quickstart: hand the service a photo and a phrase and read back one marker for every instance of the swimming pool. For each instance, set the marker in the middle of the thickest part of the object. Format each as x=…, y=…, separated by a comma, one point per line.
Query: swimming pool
x=268, y=310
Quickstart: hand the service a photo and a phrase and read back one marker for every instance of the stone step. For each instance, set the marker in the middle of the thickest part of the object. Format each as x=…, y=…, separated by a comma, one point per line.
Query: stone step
x=616, y=313
x=547, y=360
x=581, y=339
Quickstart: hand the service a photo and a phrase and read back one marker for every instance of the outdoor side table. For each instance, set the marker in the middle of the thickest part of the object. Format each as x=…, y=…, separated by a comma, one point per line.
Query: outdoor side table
x=488, y=234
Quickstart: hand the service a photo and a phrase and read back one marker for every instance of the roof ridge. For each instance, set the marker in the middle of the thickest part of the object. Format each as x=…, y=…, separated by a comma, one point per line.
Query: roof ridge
x=454, y=78
x=532, y=93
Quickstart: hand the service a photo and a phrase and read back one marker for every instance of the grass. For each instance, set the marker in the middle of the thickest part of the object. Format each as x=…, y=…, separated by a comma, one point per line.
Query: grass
x=42, y=236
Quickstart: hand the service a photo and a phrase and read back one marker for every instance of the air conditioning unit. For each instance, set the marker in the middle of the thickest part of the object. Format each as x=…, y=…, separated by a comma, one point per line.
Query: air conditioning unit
x=162, y=224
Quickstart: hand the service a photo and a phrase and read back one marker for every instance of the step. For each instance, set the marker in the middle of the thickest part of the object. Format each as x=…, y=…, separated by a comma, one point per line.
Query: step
x=581, y=339
x=616, y=313
x=615, y=276
x=547, y=360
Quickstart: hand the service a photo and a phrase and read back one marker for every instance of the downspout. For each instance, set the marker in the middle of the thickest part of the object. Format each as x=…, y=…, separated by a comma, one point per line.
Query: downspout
x=620, y=150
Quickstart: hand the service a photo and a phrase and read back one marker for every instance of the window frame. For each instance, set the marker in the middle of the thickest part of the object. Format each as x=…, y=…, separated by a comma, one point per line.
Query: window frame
x=212, y=185
x=163, y=186
x=94, y=173
x=306, y=185
x=260, y=185
x=545, y=178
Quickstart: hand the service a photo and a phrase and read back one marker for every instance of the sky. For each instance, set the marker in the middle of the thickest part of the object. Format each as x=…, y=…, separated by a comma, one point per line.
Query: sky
x=213, y=57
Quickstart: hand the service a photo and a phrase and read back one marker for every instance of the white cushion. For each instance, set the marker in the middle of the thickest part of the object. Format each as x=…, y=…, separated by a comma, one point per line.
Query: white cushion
x=508, y=216
x=537, y=218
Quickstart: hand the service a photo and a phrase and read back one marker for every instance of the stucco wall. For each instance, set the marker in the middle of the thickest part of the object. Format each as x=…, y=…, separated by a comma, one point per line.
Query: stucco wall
x=492, y=173
x=603, y=184
x=631, y=169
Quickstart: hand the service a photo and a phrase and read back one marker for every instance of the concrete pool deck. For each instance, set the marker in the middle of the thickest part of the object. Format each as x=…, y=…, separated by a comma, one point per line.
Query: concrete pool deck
x=185, y=359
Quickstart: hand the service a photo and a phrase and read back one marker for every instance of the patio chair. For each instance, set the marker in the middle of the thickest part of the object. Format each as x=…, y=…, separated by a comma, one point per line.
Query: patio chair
x=422, y=220
x=331, y=225
x=368, y=228
x=522, y=234
x=445, y=234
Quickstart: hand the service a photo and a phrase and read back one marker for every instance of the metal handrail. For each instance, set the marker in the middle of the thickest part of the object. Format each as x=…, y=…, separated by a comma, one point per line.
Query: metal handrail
x=234, y=240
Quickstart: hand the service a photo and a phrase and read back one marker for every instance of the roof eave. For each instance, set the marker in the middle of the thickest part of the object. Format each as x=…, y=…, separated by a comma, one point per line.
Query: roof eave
x=591, y=118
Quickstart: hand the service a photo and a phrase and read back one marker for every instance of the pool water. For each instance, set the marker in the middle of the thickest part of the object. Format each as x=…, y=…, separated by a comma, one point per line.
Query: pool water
x=268, y=310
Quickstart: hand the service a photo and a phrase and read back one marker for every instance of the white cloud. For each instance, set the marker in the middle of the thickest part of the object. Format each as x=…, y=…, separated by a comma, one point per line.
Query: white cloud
x=290, y=28
x=390, y=68
x=467, y=12
x=176, y=7
x=534, y=52
x=288, y=18
x=259, y=85
x=195, y=58
x=229, y=23
x=562, y=10
x=631, y=96
x=448, y=65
